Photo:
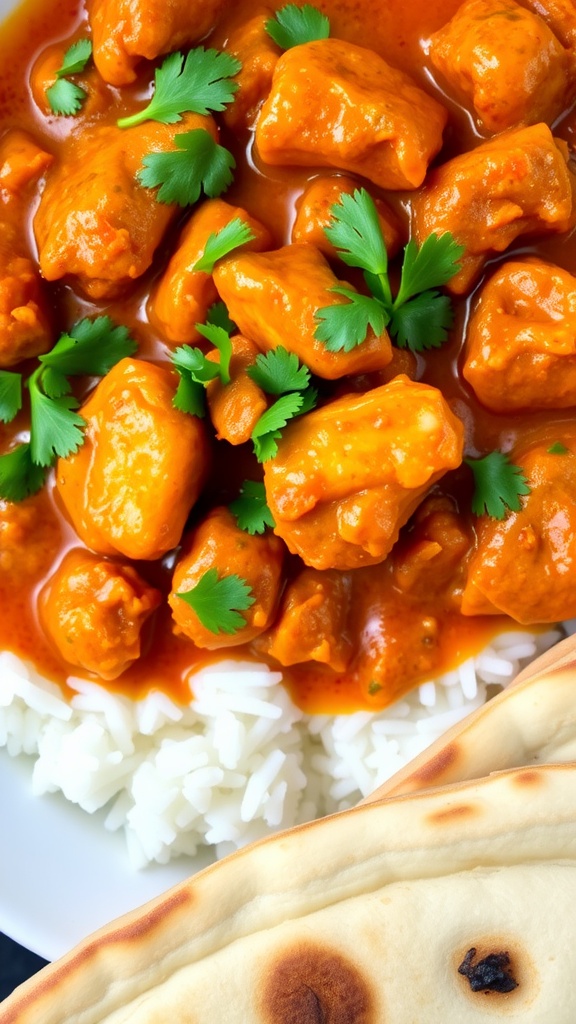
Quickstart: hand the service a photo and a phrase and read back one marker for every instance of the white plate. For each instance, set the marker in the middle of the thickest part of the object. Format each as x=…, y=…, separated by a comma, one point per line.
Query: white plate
x=61, y=874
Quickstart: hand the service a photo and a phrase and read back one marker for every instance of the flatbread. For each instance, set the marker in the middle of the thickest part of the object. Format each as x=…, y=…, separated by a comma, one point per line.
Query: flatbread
x=532, y=721
x=404, y=911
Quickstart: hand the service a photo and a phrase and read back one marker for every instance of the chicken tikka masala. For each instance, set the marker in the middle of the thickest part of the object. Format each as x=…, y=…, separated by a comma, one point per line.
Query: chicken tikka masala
x=287, y=337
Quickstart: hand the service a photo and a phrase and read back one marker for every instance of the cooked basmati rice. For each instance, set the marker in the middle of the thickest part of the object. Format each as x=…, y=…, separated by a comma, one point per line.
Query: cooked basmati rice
x=240, y=761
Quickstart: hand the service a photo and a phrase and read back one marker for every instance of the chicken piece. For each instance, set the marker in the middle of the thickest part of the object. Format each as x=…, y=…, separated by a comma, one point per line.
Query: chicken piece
x=430, y=559
x=505, y=60
x=273, y=298
x=43, y=76
x=183, y=295
x=311, y=624
x=258, y=55
x=314, y=213
x=334, y=104
x=30, y=537
x=524, y=565
x=93, y=611
x=95, y=221
x=560, y=16
x=24, y=317
x=516, y=184
x=131, y=485
x=521, y=343
x=125, y=31
x=347, y=476
x=218, y=543
x=236, y=407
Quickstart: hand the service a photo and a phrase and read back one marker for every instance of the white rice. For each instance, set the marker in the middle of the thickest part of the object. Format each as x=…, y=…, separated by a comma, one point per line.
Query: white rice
x=240, y=761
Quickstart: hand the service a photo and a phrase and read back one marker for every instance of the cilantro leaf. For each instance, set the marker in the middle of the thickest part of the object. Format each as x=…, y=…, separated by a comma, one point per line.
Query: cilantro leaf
x=268, y=429
x=76, y=58
x=221, y=340
x=219, y=601
x=428, y=266
x=10, y=395
x=218, y=315
x=279, y=371
x=294, y=25
x=558, y=449
x=54, y=383
x=356, y=234
x=198, y=163
x=198, y=83
x=65, y=97
x=423, y=322
x=498, y=485
x=91, y=348
x=344, y=326
x=250, y=509
x=19, y=477
x=190, y=396
x=234, y=234
x=193, y=362
x=55, y=429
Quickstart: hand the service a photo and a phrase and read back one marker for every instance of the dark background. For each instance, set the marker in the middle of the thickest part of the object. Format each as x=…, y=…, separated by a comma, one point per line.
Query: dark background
x=16, y=964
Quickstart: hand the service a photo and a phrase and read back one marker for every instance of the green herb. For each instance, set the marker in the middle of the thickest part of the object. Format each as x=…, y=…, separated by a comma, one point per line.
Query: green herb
x=10, y=395
x=293, y=25
x=279, y=371
x=374, y=687
x=196, y=370
x=64, y=97
x=558, y=449
x=197, y=164
x=91, y=348
x=219, y=601
x=220, y=243
x=197, y=83
x=498, y=485
x=218, y=315
x=250, y=509
x=419, y=317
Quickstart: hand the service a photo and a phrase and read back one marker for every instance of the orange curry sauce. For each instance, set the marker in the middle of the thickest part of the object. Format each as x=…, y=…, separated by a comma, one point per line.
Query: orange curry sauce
x=395, y=29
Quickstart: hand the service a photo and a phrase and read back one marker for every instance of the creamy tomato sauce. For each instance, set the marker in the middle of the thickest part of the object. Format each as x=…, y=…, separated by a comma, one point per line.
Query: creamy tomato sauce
x=412, y=637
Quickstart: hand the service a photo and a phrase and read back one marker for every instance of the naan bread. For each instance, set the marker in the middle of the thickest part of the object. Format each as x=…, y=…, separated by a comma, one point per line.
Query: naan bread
x=533, y=721
x=453, y=906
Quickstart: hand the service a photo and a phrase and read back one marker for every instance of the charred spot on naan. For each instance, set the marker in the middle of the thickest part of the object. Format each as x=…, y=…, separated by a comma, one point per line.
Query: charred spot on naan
x=490, y=974
x=454, y=813
x=497, y=966
x=309, y=983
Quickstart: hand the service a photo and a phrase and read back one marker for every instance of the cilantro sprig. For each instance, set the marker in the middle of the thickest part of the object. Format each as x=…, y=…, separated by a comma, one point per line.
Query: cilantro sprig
x=220, y=243
x=196, y=370
x=198, y=83
x=91, y=348
x=218, y=601
x=418, y=316
x=65, y=97
x=498, y=485
x=198, y=164
x=293, y=25
x=250, y=509
x=279, y=373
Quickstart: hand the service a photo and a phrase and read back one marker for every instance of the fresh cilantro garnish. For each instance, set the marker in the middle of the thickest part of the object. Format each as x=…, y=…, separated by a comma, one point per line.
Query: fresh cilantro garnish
x=293, y=25
x=196, y=370
x=19, y=476
x=91, y=348
x=268, y=429
x=279, y=371
x=419, y=316
x=558, y=449
x=197, y=83
x=219, y=601
x=218, y=315
x=374, y=687
x=10, y=395
x=197, y=164
x=64, y=97
x=250, y=509
x=498, y=485
x=219, y=243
